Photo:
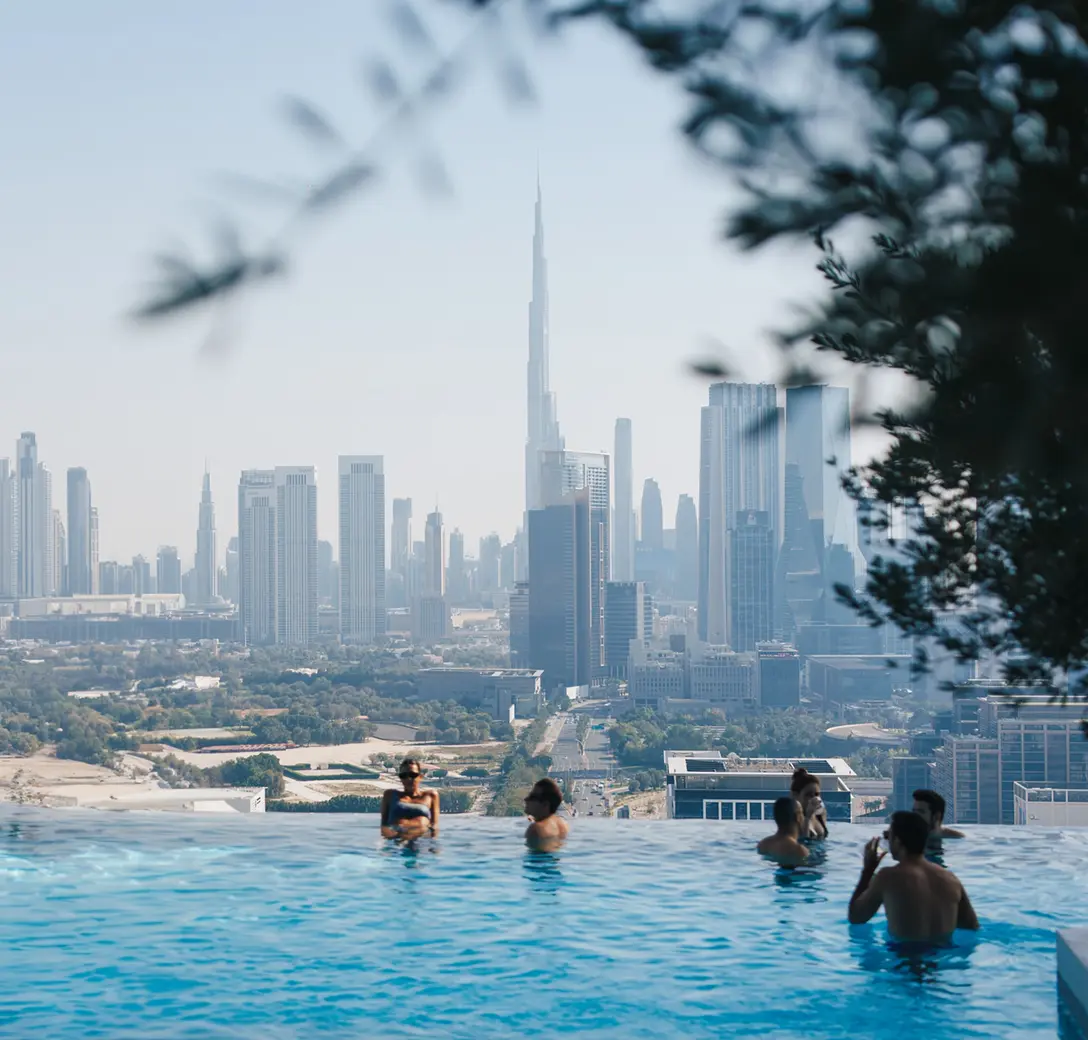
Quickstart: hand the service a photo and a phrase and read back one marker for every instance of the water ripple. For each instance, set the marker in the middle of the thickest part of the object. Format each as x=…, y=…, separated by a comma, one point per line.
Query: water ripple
x=152, y=926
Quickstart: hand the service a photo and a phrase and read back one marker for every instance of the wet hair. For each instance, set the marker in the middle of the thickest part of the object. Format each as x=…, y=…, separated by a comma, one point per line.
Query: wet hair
x=547, y=790
x=785, y=811
x=801, y=779
x=410, y=762
x=911, y=830
x=935, y=802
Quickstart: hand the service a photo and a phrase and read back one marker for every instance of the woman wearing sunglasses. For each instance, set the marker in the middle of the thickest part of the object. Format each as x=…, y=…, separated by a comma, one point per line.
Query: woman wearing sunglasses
x=413, y=812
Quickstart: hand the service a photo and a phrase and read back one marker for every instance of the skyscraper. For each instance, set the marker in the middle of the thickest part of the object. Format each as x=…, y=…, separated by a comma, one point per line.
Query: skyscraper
x=53, y=572
x=653, y=518
x=362, y=547
x=94, y=551
x=739, y=472
x=687, y=550
x=9, y=559
x=326, y=572
x=623, y=527
x=402, y=536
x=168, y=570
x=751, y=591
x=141, y=575
x=564, y=472
x=543, y=426
x=434, y=556
x=257, y=556
x=820, y=537
x=58, y=546
x=489, y=568
x=207, y=569
x=232, y=570
x=818, y=443
x=713, y=536
x=296, y=555
x=456, y=574
x=79, y=533
x=35, y=522
x=560, y=593
x=625, y=612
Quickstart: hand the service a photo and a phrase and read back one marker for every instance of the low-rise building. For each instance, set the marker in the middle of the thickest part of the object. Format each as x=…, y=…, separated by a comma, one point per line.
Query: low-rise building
x=705, y=785
x=505, y=693
x=1038, y=805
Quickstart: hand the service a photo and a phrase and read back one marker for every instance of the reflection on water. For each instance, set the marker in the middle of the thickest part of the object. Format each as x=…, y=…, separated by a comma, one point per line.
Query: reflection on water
x=925, y=962
x=411, y=849
x=542, y=871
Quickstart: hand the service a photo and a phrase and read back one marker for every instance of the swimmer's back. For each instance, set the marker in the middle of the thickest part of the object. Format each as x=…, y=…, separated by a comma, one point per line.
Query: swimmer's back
x=924, y=901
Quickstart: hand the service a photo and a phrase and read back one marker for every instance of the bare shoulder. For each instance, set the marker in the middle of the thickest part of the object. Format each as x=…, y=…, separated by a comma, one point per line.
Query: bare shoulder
x=564, y=827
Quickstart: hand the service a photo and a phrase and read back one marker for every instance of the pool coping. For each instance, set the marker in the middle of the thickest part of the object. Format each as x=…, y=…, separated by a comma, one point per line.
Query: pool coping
x=1073, y=973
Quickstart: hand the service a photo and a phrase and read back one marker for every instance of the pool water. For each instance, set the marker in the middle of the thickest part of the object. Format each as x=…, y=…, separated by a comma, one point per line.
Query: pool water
x=151, y=925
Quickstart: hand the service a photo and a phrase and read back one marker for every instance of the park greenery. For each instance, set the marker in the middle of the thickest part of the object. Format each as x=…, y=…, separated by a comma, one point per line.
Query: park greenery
x=449, y=801
x=260, y=770
x=342, y=703
x=521, y=768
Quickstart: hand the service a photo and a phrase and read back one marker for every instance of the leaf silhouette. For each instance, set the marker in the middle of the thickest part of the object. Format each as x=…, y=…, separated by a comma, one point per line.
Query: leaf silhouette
x=340, y=184
x=411, y=27
x=710, y=368
x=382, y=80
x=312, y=123
x=190, y=287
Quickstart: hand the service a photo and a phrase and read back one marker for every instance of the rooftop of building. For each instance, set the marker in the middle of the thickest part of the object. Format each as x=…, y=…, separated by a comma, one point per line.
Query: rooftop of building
x=683, y=762
x=491, y=673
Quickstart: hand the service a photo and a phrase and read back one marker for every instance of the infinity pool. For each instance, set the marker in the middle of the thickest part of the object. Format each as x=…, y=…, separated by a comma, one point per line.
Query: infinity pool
x=153, y=925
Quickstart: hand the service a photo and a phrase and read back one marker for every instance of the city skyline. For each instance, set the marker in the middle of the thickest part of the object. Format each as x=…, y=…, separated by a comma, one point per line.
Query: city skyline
x=433, y=292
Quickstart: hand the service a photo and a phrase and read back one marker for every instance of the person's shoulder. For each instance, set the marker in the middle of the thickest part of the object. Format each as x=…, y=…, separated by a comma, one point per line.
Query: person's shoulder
x=951, y=832
x=563, y=826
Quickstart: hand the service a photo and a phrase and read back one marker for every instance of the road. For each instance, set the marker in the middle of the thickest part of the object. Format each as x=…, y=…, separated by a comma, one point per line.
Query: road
x=588, y=799
x=566, y=756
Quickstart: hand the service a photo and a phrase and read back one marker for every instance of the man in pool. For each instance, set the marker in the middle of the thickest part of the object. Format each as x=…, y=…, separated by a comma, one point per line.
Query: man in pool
x=930, y=806
x=923, y=902
x=547, y=830
x=783, y=846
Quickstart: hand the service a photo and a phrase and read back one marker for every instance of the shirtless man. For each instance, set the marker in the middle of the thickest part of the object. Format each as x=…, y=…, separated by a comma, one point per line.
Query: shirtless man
x=930, y=806
x=548, y=830
x=924, y=902
x=783, y=846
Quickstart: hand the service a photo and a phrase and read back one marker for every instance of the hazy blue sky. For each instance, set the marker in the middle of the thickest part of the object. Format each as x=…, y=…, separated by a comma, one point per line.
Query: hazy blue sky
x=402, y=328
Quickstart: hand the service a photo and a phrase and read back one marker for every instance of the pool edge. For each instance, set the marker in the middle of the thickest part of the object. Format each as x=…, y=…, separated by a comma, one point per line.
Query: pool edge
x=1072, y=951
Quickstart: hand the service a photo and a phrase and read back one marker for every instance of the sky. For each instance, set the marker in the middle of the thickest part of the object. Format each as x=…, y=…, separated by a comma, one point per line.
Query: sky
x=400, y=328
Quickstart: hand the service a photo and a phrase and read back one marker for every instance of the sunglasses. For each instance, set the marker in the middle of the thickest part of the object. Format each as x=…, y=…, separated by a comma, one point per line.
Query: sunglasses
x=409, y=776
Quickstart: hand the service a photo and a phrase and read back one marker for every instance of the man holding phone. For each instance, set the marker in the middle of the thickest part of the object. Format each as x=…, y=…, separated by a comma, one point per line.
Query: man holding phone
x=923, y=901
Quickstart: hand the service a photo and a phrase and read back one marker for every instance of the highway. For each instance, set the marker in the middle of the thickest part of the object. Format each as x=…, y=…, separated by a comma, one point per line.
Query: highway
x=567, y=759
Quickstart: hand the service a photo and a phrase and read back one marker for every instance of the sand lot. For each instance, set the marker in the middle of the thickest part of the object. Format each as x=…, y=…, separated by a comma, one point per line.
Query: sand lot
x=354, y=754
x=42, y=779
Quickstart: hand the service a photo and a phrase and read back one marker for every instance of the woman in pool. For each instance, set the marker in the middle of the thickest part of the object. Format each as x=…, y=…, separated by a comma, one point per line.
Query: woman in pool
x=413, y=812
x=805, y=789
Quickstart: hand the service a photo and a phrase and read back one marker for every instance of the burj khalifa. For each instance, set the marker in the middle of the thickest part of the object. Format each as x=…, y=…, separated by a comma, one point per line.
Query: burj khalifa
x=543, y=432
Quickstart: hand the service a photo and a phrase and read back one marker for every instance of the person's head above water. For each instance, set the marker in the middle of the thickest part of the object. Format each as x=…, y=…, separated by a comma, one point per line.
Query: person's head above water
x=804, y=785
x=930, y=806
x=787, y=815
x=544, y=799
x=410, y=773
x=907, y=835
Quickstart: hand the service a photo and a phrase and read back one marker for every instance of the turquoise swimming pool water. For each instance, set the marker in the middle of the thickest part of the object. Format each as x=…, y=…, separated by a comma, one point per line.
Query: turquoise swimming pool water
x=149, y=925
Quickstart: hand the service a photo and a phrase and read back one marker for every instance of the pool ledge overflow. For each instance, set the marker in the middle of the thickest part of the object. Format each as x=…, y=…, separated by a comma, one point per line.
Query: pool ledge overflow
x=1073, y=973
